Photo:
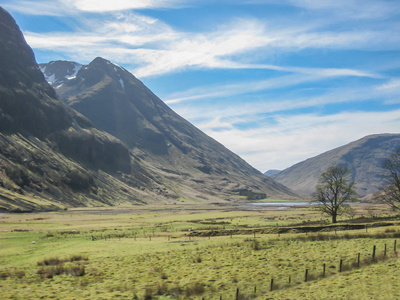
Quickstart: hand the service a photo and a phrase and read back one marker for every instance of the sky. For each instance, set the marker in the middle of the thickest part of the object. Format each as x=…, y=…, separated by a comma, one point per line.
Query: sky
x=275, y=81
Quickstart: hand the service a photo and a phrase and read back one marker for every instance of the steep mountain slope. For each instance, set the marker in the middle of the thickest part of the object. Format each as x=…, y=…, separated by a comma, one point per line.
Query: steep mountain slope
x=50, y=155
x=192, y=163
x=364, y=158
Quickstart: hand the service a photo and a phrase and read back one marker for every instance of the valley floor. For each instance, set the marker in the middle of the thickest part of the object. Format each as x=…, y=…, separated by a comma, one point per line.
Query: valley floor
x=199, y=251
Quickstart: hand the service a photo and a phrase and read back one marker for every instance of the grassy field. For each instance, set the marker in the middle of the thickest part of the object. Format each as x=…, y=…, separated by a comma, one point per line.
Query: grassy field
x=198, y=251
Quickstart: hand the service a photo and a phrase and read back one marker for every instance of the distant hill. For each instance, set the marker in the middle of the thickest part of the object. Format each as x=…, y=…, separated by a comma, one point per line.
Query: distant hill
x=191, y=163
x=364, y=158
x=272, y=172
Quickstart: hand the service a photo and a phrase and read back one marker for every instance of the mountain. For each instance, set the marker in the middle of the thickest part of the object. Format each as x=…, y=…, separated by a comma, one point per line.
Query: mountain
x=272, y=172
x=50, y=155
x=364, y=158
x=191, y=163
x=57, y=73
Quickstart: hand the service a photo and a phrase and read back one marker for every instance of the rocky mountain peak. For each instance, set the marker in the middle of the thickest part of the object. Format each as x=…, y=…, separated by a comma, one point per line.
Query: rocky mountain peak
x=57, y=72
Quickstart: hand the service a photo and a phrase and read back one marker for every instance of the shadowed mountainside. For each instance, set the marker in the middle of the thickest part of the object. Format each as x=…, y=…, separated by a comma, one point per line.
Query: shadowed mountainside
x=50, y=155
x=364, y=158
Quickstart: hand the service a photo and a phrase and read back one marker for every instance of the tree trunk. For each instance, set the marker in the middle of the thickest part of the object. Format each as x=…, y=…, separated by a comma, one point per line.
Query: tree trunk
x=334, y=215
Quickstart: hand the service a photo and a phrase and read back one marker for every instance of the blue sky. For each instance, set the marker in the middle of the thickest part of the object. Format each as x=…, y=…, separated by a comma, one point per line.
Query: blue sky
x=275, y=81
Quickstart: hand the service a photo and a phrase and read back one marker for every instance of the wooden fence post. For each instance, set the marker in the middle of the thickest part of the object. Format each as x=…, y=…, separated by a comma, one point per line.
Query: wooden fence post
x=237, y=294
x=290, y=279
x=272, y=285
x=306, y=276
x=323, y=272
x=373, y=253
x=358, y=260
x=341, y=265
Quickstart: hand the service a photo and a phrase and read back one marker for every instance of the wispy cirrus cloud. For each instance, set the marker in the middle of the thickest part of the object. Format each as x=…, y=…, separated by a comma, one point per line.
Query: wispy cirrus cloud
x=106, y=5
x=302, y=75
x=73, y=7
x=160, y=49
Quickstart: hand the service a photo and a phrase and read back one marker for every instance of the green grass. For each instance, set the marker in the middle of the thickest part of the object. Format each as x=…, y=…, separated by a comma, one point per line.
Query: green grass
x=142, y=252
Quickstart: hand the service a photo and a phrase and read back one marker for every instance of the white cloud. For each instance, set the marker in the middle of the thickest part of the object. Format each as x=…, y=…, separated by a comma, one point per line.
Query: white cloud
x=106, y=5
x=305, y=75
x=160, y=49
x=55, y=8
x=73, y=7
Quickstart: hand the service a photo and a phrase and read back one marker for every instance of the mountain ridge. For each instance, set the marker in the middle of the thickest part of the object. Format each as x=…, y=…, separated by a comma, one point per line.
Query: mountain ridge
x=364, y=158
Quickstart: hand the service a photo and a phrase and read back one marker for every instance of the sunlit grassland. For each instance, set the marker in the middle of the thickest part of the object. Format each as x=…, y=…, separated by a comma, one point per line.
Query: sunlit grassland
x=149, y=251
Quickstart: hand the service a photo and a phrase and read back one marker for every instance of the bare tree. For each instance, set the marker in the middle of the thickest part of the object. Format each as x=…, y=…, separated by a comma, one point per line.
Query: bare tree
x=333, y=190
x=390, y=193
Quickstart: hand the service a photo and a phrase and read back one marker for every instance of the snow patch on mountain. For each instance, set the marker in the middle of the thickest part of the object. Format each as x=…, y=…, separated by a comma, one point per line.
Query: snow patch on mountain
x=121, y=81
x=75, y=71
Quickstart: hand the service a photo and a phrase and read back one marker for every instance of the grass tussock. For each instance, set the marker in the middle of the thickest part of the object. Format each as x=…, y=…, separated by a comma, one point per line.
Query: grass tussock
x=193, y=289
x=51, y=267
x=4, y=274
x=51, y=271
x=54, y=261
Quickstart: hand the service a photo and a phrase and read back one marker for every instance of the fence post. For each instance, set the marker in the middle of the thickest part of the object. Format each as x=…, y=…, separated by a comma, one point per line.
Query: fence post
x=272, y=285
x=306, y=276
x=341, y=265
x=323, y=272
x=395, y=242
x=237, y=294
x=290, y=279
x=358, y=260
x=255, y=289
x=373, y=253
